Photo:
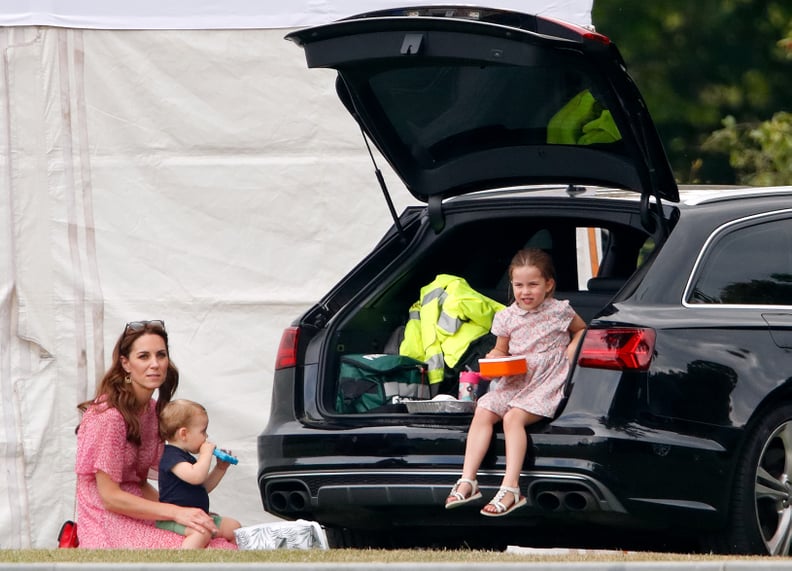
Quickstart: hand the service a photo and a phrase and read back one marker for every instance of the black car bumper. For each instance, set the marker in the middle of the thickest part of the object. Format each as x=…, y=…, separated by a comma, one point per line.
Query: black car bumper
x=353, y=478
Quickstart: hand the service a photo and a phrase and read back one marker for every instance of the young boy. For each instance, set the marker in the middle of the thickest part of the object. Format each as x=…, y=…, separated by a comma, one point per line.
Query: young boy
x=185, y=480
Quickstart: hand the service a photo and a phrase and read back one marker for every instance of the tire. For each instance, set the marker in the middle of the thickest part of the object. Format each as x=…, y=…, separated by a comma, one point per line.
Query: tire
x=345, y=538
x=761, y=509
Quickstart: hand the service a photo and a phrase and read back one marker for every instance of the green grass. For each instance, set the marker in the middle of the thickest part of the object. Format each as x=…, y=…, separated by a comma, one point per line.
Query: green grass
x=329, y=556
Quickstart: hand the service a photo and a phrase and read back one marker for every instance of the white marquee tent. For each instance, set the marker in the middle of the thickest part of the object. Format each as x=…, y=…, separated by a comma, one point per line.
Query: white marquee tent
x=167, y=160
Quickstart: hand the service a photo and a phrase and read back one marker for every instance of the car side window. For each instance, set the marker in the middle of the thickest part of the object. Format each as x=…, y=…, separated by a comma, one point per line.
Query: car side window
x=751, y=265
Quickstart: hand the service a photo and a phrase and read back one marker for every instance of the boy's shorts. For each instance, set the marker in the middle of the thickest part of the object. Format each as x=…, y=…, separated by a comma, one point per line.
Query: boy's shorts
x=180, y=529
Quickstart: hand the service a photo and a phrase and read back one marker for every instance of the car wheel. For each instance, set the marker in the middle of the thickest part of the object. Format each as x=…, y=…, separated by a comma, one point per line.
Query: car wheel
x=340, y=538
x=761, y=518
x=345, y=538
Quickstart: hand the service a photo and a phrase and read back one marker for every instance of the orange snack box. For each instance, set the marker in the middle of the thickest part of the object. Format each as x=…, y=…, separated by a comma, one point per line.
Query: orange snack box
x=503, y=366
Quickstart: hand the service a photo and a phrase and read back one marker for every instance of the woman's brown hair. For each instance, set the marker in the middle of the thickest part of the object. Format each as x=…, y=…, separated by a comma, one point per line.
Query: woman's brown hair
x=119, y=394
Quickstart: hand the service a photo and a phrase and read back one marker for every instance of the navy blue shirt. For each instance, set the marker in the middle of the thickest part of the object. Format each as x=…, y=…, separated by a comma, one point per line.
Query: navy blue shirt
x=174, y=490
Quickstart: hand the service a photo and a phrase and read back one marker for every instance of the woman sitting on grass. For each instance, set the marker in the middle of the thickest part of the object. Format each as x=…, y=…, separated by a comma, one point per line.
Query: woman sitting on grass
x=118, y=443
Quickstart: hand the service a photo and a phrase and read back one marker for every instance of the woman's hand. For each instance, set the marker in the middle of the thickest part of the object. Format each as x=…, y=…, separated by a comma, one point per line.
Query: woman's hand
x=117, y=500
x=197, y=519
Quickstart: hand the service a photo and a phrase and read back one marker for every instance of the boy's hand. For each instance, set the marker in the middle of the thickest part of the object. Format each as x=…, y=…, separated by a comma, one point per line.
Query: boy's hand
x=221, y=463
x=206, y=448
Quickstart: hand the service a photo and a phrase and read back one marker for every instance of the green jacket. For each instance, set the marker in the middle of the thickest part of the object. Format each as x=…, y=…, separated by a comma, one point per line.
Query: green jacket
x=448, y=317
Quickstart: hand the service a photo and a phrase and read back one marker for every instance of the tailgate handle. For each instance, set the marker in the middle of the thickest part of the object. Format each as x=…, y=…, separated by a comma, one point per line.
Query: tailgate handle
x=411, y=44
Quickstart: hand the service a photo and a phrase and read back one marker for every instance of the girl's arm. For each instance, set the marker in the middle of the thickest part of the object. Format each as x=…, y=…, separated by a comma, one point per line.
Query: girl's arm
x=118, y=501
x=501, y=348
x=576, y=329
x=196, y=473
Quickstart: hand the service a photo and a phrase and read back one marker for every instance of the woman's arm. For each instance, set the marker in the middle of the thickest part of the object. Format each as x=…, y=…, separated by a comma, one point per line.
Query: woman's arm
x=576, y=329
x=118, y=501
x=150, y=492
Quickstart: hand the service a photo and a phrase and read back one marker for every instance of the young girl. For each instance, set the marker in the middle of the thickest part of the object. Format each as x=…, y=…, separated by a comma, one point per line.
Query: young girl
x=546, y=331
x=185, y=480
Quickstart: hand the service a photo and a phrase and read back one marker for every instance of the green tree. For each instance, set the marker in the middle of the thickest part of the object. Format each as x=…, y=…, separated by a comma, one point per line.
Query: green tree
x=717, y=78
x=761, y=154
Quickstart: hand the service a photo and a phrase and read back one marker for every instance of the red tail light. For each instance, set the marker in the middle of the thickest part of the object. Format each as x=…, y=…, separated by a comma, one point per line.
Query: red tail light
x=577, y=30
x=620, y=349
x=287, y=350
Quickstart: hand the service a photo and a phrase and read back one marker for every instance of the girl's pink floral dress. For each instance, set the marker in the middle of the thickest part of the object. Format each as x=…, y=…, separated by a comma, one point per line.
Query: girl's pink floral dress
x=102, y=446
x=542, y=336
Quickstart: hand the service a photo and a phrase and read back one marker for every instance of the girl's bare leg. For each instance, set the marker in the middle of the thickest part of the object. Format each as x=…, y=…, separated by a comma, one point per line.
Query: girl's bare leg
x=478, y=442
x=514, y=423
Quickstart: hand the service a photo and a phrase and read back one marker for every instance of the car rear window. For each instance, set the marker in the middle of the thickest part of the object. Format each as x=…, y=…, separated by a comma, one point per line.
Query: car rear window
x=451, y=111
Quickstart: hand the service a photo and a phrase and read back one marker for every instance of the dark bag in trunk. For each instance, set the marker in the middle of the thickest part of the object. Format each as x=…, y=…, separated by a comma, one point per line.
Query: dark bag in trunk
x=367, y=382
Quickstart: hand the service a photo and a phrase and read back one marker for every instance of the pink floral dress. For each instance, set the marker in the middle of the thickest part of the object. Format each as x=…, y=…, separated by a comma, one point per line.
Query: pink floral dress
x=542, y=336
x=102, y=446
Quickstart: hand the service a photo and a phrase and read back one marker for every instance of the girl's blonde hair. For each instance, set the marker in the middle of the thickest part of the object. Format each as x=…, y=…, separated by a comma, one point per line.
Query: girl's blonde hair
x=176, y=414
x=537, y=258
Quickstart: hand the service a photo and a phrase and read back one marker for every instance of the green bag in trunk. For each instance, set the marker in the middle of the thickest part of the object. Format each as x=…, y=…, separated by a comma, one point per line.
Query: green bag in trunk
x=367, y=382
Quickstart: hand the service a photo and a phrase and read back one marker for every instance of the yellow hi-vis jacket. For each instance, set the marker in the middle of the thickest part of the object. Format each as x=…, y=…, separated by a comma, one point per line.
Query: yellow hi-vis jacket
x=582, y=121
x=448, y=317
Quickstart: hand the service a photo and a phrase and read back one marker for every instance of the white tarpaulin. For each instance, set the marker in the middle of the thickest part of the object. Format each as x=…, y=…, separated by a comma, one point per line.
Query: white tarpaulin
x=202, y=177
x=236, y=14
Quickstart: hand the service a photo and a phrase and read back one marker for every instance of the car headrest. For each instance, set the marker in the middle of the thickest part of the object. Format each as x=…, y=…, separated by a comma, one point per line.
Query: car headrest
x=605, y=285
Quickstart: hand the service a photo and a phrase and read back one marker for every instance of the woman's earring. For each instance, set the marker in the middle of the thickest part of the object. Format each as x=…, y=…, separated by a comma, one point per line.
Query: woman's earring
x=128, y=379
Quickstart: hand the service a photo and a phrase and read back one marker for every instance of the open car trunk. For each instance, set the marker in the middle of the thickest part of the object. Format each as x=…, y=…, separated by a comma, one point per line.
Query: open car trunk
x=464, y=100
x=595, y=251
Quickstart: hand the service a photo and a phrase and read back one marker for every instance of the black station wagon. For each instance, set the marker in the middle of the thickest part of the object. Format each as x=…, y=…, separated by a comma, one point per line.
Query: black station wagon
x=517, y=130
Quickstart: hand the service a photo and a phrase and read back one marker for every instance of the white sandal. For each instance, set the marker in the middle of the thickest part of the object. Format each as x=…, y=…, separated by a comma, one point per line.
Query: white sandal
x=500, y=507
x=459, y=497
